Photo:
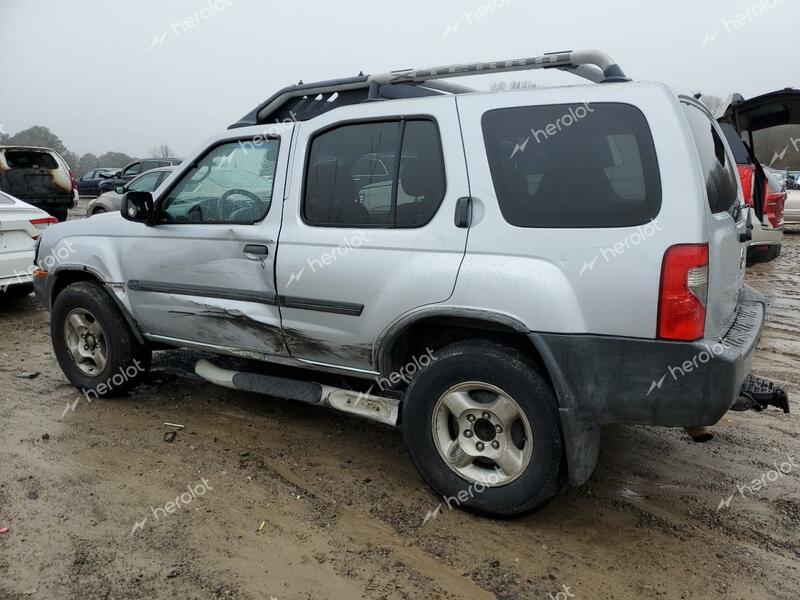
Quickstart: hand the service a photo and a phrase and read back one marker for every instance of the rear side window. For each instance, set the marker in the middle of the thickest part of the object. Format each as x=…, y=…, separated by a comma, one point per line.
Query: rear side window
x=573, y=165
x=722, y=183
x=26, y=159
x=381, y=174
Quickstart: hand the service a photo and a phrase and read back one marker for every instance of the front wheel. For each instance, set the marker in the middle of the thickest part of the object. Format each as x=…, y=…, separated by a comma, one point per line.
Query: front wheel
x=93, y=343
x=481, y=424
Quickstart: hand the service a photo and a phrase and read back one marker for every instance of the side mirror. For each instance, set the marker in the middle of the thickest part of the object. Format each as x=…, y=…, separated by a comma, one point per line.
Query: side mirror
x=138, y=207
x=120, y=189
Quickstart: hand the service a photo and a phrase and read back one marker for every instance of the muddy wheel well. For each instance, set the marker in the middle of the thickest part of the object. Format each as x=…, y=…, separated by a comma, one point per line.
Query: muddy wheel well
x=434, y=333
x=66, y=278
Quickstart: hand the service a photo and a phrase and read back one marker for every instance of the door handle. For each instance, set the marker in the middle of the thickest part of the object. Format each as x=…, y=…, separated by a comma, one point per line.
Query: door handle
x=463, y=216
x=256, y=251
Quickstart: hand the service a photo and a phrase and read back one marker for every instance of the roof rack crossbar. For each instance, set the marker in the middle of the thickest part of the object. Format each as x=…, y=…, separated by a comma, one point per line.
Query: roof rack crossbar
x=593, y=65
x=584, y=63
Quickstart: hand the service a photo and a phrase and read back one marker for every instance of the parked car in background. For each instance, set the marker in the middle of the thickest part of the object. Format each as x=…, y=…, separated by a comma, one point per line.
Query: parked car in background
x=20, y=227
x=146, y=182
x=791, y=213
x=135, y=168
x=490, y=269
x=765, y=208
x=38, y=176
x=89, y=183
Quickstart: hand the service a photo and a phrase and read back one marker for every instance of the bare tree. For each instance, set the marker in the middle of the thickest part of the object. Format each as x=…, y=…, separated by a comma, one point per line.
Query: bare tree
x=162, y=151
x=713, y=103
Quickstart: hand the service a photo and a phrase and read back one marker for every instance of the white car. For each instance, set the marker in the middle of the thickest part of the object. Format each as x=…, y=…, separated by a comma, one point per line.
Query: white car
x=20, y=226
x=791, y=212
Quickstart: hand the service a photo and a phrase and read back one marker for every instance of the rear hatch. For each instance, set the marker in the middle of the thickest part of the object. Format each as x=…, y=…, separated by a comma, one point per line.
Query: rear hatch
x=763, y=112
x=35, y=175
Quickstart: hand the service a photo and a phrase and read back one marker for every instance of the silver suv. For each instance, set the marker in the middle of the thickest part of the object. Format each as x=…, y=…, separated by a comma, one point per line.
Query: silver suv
x=499, y=274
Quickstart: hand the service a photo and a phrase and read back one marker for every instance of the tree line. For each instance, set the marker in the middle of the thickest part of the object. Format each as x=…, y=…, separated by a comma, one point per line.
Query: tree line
x=42, y=136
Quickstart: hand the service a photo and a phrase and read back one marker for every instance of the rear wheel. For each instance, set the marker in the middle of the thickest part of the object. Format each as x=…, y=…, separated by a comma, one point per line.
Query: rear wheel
x=93, y=343
x=99, y=210
x=17, y=291
x=481, y=424
x=60, y=213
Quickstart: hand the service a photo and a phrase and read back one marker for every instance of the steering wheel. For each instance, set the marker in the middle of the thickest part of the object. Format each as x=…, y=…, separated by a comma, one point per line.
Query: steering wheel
x=220, y=206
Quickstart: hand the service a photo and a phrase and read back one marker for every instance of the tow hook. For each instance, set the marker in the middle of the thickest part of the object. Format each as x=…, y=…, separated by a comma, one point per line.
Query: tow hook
x=758, y=393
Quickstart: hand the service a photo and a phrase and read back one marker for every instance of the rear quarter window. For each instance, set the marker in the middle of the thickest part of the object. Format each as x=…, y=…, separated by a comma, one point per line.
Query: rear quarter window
x=573, y=165
x=26, y=159
x=721, y=176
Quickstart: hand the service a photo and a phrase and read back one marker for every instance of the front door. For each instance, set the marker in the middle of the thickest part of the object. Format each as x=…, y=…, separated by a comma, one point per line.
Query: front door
x=203, y=275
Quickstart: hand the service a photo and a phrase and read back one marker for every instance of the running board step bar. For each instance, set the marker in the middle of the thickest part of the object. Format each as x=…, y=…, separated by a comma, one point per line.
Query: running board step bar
x=360, y=404
x=759, y=393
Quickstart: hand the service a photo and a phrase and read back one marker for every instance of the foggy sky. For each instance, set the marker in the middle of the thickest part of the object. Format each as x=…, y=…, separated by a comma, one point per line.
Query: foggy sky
x=129, y=75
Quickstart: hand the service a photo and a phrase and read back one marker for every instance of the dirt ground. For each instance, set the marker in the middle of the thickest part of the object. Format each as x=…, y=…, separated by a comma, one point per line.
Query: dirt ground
x=291, y=501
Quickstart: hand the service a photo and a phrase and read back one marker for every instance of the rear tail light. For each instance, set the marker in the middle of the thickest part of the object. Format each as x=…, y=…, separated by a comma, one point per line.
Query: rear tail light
x=774, y=207
x=684, y=293
x=747, y=173
x=43, y=223
x=74, y=180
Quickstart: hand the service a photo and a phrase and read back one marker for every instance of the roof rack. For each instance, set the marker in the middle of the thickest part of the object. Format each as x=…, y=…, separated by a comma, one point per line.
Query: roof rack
x=307, y=100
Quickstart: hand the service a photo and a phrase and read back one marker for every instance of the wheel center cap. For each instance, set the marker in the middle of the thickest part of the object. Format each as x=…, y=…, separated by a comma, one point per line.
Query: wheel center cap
x=484, y=430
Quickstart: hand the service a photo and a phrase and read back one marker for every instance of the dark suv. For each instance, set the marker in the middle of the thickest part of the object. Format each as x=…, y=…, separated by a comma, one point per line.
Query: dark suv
x=134, y=169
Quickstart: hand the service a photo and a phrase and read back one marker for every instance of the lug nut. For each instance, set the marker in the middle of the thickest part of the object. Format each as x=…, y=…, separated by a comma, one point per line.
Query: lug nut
x=495, y=444
x=471, y=418
x=479, y=446
x=468, y=433
x=486, y=415
x=498, y=428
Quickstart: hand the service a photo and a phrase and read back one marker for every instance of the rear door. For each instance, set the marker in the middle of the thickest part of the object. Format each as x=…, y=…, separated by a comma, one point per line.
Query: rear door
x=726, y=223
x=368, y=232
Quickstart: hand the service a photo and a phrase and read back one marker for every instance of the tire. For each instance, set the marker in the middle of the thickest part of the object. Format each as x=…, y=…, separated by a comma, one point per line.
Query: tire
x=98, y=211
x=16, y=292
x=126, y=360
x=489, y=365
x=60, y=213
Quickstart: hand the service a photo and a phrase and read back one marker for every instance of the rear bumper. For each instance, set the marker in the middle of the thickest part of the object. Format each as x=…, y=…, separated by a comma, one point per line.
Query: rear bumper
x=605, y=380
x=601, y=380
